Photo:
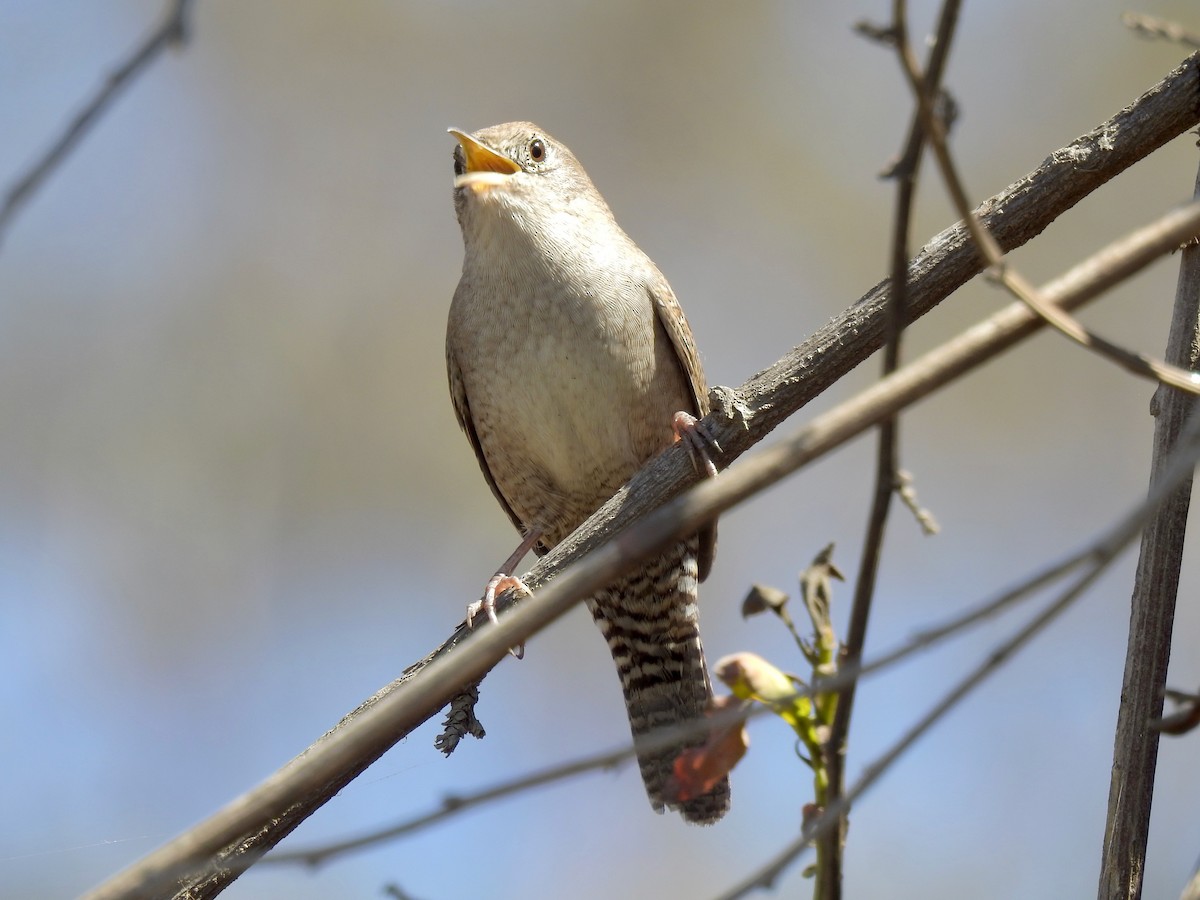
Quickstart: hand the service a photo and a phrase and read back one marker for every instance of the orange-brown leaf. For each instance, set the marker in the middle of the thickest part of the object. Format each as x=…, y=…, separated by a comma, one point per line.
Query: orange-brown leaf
x=697, y=770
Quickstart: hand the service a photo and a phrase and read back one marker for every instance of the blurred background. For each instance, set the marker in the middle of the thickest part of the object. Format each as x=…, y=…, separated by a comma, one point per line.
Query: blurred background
x=234, y=500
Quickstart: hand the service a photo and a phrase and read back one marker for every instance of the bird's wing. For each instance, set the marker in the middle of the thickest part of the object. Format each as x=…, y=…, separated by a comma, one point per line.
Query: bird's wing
x=674, y=323
x=462, y=411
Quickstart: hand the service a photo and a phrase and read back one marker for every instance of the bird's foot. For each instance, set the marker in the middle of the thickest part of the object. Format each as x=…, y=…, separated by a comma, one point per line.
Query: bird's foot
x=698, y=439
x=487, y=604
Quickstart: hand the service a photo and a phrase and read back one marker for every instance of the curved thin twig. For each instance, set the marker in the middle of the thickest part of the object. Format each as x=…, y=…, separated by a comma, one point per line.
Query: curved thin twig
x=1020, y=287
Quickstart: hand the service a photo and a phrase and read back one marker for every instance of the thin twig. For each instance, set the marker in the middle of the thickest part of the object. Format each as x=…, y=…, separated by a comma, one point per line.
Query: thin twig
x=765, y=877
x=1156, y=585
x=845, y=676
x=828, y=884
x=232, y=839
x=1164, y=29
x=453, y=805
x=908, y=496
x=1174, y=472
x=173, y=31
x=1020, y=287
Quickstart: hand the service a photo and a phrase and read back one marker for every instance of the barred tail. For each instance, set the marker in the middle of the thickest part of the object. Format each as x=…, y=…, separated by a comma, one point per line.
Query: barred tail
x=649, y=619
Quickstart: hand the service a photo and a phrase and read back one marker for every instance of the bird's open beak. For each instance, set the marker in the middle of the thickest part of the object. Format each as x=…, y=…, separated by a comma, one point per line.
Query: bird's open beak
x=485, y=167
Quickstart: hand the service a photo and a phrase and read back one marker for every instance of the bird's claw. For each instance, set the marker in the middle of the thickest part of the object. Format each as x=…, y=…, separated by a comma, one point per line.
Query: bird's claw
x=487, y=603
x=697, y=439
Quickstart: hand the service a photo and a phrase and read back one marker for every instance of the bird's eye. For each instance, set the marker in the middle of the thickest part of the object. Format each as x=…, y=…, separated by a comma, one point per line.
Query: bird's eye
x=537, y=150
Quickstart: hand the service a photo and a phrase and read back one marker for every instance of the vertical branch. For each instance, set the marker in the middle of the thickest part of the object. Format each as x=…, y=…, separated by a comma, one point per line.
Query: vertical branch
x=829, y=846
x=1156, y=583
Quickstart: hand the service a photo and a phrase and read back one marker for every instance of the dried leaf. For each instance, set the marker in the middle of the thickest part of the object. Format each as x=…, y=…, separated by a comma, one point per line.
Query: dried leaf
x=460, y=721
x=698, y=770
x=763, y=597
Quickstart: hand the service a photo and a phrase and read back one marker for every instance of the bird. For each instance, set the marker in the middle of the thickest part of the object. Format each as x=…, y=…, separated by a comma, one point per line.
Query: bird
x=571, y=364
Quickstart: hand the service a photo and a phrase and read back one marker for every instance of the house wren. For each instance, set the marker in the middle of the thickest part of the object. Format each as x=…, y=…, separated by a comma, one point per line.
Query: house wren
x=571, y=364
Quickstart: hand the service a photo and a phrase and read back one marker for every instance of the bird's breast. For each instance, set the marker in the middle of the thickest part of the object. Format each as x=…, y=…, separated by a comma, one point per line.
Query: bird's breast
x=566, y=386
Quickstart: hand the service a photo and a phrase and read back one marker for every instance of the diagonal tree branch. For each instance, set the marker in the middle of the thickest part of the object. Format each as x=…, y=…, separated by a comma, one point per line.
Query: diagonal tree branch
x=204, y=860
x=172, y=31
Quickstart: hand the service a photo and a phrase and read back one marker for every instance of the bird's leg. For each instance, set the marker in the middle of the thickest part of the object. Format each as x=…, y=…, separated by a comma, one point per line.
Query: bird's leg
x=697, y=438
x=501, y=582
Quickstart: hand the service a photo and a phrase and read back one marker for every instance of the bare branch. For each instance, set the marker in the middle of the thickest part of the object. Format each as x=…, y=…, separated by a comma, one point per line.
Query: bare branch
x=1014, y=281
x=1156, y=584
x=1165, y=29
x=1175, y=472
x=845, y=676
x=232, y=839
x=172, y=32
x=830, y=849
x=908, y=496
x=453, y=805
